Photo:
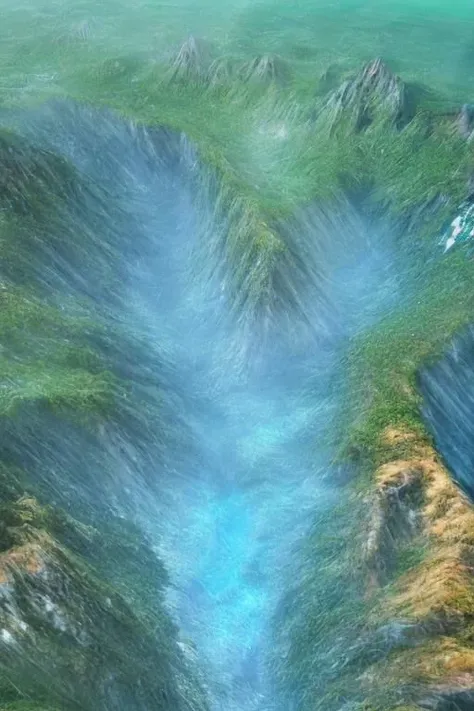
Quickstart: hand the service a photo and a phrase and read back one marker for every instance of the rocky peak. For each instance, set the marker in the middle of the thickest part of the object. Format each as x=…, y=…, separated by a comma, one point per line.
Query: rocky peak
x=192, y=59
x=265, y=68
x=220, y=71
x=373, y=91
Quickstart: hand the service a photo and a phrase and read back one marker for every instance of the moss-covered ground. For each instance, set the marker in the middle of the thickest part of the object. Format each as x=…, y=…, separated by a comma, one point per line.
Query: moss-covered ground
x=383, y=364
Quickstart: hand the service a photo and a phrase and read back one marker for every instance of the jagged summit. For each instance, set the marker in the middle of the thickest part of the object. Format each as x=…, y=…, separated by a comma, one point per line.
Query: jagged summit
x=265, y=68
x=192, y=61
x=373, y=91
x=220, y=71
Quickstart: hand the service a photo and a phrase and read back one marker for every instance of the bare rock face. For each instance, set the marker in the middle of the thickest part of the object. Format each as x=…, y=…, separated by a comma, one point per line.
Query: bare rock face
x=265, y=69
x=465, y=122
x=220, y=72
x=192, y=61
x=72, y=638
x=393, y=518
x=374, y=91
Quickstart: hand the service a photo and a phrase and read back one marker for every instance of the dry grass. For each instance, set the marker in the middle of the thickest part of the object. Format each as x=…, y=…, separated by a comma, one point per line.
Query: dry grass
x=28, y=558
x=442, y=587
x=392, y=437
x=443, y=584
x=437, y=593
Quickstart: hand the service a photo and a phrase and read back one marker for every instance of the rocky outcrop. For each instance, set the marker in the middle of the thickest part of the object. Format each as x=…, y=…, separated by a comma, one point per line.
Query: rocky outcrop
x=192, y=61
x=416, y=504
x=374, y=92
x=465, y=122
x=220, y=72
x=393, y=517
x=388, y=621
x=265, y=69
x=68, y=637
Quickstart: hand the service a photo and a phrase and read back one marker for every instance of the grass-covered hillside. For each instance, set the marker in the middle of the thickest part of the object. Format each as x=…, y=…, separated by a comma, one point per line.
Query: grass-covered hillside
x=266, y=113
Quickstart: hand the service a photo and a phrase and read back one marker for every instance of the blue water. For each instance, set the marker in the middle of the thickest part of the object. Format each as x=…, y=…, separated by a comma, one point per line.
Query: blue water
x=272, y=451
x=229, y=525
x=234, y=544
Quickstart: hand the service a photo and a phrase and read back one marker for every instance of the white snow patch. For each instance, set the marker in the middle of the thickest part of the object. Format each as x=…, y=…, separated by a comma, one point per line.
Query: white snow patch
x=56, y=616
x=7, y=637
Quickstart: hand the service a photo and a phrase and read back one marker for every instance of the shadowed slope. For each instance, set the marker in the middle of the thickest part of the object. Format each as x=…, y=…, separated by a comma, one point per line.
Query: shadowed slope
x=91, y=418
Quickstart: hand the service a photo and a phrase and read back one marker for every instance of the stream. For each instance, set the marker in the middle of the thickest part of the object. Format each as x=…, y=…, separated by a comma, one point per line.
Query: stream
x=231, y=525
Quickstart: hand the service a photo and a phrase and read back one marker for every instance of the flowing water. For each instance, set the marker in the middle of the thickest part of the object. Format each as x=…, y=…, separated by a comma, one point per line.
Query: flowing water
x=264, y=470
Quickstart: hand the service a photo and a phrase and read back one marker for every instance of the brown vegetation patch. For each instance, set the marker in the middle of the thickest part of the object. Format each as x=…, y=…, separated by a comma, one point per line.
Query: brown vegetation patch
x=393, y=437
x=440, y=587
x=419, y=489
x=25, y=559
